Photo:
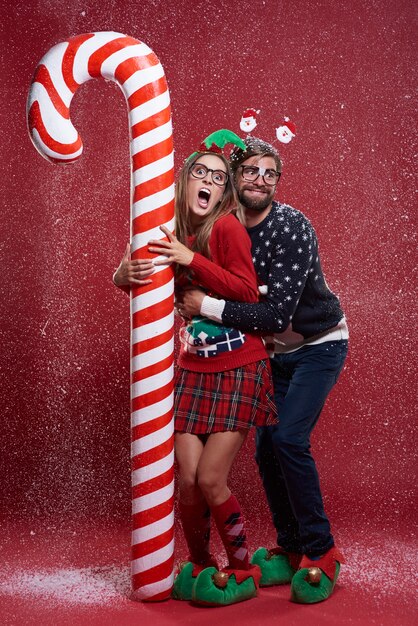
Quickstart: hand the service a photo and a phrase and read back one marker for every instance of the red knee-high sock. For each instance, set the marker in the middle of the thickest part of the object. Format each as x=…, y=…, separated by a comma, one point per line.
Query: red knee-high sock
x=231, y=526
x=195, y=519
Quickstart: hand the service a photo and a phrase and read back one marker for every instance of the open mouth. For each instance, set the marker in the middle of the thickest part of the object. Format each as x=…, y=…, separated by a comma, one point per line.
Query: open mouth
x=203, y=197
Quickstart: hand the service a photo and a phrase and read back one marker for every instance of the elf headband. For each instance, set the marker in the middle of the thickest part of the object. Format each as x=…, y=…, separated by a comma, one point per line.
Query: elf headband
x=216, y=142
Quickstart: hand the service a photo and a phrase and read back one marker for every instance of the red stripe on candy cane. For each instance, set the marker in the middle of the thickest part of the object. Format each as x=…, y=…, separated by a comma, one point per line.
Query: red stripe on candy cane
x=137, y=70
x=148, y=156
x=124, y=71
x=42, y=76
x=152, y=456
x=152, y=186
x=36, y=122
x=97, y=59
x=152, y=485
x=147, y=547
x=151, y=397
x=149, y=220
x=141, y=520
x=68, y=60
x=147, y=429
x=152, y=342
x=143, y=127
x=141, y=96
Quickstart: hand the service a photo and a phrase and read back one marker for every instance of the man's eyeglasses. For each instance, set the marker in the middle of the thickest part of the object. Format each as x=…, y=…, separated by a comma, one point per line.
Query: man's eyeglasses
x=219, y=177
x=250, y=173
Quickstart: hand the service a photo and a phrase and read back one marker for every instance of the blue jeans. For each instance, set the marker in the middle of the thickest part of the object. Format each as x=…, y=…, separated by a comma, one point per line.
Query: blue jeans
x=302, y=381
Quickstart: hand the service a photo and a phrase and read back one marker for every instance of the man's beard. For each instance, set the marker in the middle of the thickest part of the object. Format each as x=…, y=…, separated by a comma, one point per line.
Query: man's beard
x=255, y=204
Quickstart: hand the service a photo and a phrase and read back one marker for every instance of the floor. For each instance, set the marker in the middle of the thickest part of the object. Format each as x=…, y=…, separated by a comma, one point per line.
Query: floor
x=77, y=574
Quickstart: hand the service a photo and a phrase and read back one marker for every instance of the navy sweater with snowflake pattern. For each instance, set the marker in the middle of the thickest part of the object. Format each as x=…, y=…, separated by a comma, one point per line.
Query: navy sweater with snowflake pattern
x=286, y=259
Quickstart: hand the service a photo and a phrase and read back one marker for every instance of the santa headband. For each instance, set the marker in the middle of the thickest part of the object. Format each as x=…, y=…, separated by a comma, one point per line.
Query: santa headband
x=290, y=125
x=250, y=113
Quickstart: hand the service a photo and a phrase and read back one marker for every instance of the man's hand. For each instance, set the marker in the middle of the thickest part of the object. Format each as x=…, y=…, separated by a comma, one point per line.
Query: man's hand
x=130, y=273
x=175, y=251
x=191, y=301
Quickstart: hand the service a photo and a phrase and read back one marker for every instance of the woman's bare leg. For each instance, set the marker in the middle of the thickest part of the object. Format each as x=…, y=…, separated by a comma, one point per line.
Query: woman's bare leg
x=189, y=449
x=214, y=466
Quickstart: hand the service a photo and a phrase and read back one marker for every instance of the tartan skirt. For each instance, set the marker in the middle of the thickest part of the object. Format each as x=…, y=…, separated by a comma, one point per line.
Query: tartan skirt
x=210, y=402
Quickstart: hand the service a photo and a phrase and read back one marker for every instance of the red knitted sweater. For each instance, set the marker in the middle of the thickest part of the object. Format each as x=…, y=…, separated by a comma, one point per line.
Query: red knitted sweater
x=229, y=274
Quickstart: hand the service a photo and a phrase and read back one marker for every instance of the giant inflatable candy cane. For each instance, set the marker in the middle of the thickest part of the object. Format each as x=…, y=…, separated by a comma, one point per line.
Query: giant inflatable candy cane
x=137, y=70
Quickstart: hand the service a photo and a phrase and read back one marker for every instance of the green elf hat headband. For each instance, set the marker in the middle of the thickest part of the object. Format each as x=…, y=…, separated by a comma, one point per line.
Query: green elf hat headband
x=216, y=142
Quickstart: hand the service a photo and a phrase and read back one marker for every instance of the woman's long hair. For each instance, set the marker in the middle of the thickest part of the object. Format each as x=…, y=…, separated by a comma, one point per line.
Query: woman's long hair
x=228, y=204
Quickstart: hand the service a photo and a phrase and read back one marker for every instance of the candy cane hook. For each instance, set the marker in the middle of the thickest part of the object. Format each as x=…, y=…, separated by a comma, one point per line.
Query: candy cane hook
x=136, y=69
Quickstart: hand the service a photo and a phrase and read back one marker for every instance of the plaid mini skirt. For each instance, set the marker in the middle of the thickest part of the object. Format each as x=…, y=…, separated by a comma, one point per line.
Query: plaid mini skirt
x=210, y=402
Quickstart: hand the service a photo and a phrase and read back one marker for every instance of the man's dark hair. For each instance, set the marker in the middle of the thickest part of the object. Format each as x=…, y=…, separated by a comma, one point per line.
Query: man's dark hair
x=255, y=147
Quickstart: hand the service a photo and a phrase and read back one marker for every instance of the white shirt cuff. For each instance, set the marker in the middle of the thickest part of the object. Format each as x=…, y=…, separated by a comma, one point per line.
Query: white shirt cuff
x=212, y=308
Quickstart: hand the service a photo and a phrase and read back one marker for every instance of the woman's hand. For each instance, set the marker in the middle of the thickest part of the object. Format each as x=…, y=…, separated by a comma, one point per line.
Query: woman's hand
x=130, y=273
x=175, y=251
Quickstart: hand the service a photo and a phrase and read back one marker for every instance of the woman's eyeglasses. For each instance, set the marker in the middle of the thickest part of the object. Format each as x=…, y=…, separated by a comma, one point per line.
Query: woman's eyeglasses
x=219, y=177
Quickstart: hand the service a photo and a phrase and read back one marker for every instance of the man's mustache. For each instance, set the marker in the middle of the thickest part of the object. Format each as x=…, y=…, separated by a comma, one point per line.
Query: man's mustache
x=263, y=189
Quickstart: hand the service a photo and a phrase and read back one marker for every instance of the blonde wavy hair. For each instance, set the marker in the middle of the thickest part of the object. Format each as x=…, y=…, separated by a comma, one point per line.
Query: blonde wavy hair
x=228, y=204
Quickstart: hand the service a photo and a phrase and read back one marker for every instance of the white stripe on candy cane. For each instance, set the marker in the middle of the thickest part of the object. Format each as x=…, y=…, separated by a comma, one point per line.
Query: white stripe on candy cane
x=153, y=559
x=145, y=205
x=139, y=446
x=153, y=329
x=140, y=78
x=110, y=65
x=144, y=111
x=153, y=470
x=151, y=138
x=152, y=500
x=140, y=303
x=154, y=529
x=151, y=412
x=147, y=385
x=155, y=355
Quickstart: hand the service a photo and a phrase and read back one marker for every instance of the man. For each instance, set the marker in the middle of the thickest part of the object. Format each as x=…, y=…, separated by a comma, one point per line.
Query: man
x=308, y=350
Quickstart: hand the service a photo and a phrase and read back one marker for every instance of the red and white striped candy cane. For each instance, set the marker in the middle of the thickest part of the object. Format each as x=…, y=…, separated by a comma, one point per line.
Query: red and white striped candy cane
x=136, y=69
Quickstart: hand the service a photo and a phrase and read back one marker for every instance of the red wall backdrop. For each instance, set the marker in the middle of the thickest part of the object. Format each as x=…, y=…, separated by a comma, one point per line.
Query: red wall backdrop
x=344, y=73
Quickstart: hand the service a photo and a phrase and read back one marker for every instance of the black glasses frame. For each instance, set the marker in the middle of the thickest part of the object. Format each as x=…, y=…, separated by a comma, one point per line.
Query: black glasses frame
x=212, y=172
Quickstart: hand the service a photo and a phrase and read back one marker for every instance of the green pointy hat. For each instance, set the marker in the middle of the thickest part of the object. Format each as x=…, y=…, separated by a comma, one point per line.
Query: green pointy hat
x=216, y=142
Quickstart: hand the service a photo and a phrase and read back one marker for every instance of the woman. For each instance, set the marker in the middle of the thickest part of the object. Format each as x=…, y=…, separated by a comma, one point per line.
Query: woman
x=222, y=385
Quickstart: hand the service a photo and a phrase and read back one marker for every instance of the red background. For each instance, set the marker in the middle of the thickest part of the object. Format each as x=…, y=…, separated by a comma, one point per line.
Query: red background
x=344, y=73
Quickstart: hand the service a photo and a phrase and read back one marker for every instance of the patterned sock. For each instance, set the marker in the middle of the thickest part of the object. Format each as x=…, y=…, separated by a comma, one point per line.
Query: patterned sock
x=195, y=519
x=231, y=526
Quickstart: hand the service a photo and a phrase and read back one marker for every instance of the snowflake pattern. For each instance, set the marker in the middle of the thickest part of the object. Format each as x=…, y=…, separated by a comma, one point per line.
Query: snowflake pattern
x=284, y=247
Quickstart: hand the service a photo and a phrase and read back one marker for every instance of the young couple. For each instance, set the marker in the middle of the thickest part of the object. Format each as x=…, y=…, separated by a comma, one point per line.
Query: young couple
x=228, y=228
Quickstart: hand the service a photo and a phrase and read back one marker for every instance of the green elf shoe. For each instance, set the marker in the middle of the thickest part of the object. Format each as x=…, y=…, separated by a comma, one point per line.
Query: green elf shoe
x=186, y=577
x=229, y=586
x=184, y=581
x=315, y=580
x=277, y=566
